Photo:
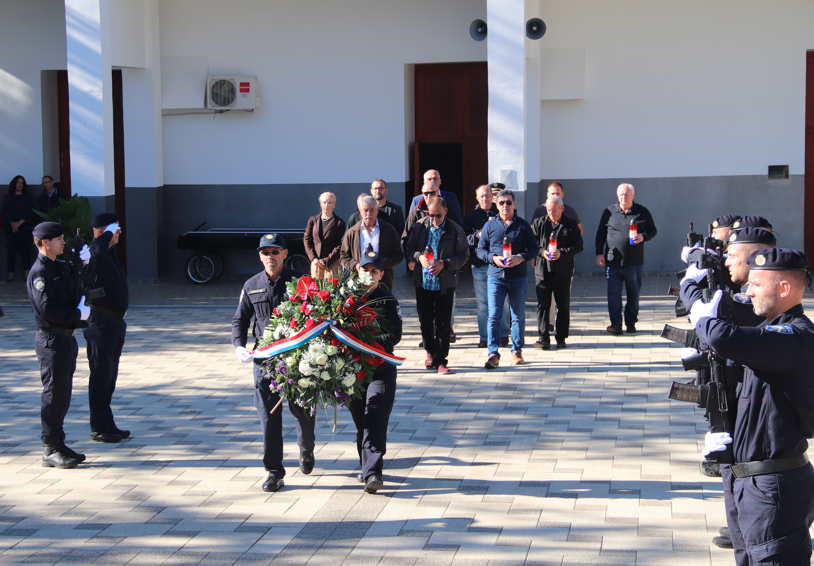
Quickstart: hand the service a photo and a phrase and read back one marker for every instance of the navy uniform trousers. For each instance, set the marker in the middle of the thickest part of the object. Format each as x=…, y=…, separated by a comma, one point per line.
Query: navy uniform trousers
x=371, y=415
x=768, y=516
x=105, y=338
x=57, y=357
x=272, y=425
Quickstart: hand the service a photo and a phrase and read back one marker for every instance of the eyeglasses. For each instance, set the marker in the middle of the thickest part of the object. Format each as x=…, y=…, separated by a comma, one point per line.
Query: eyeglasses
x=430, y=193
x=272, y=252
x=505, y=203
x=436, y=215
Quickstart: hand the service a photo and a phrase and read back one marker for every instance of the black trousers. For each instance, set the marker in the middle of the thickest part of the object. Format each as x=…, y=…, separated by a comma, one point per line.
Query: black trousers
x=272, y=425
x=105, y=337
x=434, y=315
x=561, y=289
x=57, y=357
x=371, y=415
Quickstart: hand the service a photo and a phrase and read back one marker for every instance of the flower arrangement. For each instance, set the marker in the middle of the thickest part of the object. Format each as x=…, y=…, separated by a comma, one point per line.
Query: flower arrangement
x=320, y=345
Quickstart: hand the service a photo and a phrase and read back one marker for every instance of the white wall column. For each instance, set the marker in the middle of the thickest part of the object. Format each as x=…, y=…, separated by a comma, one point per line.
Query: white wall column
x=506, y=58
x=89, y=92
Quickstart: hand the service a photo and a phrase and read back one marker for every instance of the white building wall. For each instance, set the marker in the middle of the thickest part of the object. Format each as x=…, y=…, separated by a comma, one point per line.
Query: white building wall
x=678, y=88
x=332, y=81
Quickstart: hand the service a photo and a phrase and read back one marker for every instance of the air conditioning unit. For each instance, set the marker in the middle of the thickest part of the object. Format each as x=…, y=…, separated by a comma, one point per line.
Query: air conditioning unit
x=232, y=92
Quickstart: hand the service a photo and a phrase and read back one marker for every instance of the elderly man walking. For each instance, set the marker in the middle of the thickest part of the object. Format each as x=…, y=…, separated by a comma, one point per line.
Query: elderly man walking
x=620, y=237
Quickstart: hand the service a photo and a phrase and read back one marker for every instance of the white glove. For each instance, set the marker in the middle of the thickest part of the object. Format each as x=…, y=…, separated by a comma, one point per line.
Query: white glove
x=84, y=254
x=715, y=442
x=694, y=274
x=112, y=228
x=685, y=251
x=700, y=309
x=688, y=353
x=84, y=309
x=243, y=354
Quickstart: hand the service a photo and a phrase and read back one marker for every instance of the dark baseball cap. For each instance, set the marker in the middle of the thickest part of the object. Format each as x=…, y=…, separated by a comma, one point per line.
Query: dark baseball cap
x=271, y=241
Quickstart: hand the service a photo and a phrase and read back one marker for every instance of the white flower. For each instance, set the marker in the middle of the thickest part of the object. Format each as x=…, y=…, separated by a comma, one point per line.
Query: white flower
x=289, y=361
x=325, y=376
x=278, y=333
x=305, y=369
x=315, y=347
x=305, y=383
x=365, y=279
x=268, y=334
x=350, y=284
x=331, y=350
x=321, y=359
x=349, y=380
x=339, y=364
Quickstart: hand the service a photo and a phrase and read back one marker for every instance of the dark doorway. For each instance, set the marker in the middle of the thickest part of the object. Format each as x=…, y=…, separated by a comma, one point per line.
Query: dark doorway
x=448, y=159
x=63, y=117
x=808, y=233
x=118, y=165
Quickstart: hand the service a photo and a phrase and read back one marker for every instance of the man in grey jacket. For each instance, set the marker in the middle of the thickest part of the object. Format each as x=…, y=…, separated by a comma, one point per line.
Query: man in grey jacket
x=445, y=243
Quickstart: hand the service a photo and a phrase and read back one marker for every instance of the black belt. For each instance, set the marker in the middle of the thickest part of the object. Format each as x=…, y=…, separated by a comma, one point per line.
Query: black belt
x=108, y=312
x=768, y=466
x=57, y=331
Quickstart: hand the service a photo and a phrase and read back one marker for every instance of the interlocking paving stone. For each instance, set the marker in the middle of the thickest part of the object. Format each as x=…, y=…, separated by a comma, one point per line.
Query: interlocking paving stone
x=577, y=457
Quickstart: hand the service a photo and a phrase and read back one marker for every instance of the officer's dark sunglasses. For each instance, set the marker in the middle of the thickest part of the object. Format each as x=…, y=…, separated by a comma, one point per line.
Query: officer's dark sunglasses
x=505, y=203
x=272, y=252
x=436, y=215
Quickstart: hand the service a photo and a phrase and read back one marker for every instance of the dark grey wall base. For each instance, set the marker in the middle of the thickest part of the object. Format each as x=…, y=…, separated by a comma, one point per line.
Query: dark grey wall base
x=146, y=244
x=674, y=202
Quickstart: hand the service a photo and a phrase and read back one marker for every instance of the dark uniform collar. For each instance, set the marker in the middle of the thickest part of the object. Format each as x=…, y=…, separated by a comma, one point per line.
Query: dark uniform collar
x=794, y=312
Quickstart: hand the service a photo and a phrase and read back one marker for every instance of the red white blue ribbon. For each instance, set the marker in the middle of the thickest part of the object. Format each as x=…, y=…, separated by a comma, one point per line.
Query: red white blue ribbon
x=305, y=336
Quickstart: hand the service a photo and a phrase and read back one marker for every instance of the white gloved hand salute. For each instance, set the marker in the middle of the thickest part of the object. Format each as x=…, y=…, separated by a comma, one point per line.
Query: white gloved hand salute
x=715, y=442
x=700, y=309
x=84, y=254
x=84, y=309
x=243, y=354
x=113, y=228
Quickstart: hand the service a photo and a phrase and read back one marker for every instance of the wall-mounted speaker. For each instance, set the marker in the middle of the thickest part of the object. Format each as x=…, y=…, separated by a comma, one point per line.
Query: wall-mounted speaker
x=477, y=30
x=535, y=28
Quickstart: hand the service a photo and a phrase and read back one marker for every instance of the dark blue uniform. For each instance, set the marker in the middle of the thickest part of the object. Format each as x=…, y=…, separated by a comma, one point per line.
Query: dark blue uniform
x=106, y=332
x=740, y=307
x=260, y=295
x=769, y=514
x=50, y=289
x=371, y=412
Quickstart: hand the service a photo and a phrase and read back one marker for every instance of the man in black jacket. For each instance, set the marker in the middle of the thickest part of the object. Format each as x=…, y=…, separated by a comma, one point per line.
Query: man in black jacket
x=622, y=256
x=559, y=240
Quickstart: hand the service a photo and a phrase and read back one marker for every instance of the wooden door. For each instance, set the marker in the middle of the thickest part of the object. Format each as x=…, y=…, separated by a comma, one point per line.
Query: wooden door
x=118, y=165
x=63, y=118
x=809, y=158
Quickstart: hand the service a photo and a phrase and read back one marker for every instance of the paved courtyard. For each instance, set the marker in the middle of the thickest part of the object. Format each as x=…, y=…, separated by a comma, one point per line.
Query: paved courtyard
x=577, y=457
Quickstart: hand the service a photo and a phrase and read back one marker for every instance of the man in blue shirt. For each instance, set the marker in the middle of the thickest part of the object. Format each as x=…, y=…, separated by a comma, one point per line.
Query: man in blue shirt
x=507, y=275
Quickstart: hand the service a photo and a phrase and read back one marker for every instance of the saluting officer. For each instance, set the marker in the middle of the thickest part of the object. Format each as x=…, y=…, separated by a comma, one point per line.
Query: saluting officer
x=371, y=412
x=106, y=327
x=260, y=295
x=769, y=492
x=51, y=291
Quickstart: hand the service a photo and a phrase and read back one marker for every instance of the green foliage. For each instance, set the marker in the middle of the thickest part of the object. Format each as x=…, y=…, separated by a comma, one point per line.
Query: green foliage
x=72, y=215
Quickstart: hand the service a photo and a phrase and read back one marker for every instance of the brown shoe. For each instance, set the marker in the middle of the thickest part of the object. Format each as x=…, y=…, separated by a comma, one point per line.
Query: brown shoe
x=492, y=362
x=517, y=358
x=443, y=369
x=428, y=363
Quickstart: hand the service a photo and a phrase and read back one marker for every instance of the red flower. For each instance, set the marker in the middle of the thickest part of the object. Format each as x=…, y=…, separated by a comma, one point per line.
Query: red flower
x=309, y=323
x=360, y=374
x=276, y=311
x=375, y=360
x=365, y=316
x=364, y=299
x=306, y=288
x=324, y=295
x=305, y=308
x=356, y=357
x=350, y=302
x=293, y=298
x=348, y=309
x=333, y=281
x=335, y=342
x=377, y=346
x=293, y=323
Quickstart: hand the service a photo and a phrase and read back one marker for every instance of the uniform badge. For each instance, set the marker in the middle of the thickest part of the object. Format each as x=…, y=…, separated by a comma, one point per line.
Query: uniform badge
x=760, y=260
x=715, y=224
x=736, y=224
x=742, y=298
x=39, y=283
x=398, y=309
x=733, y=237
x=780, y=328
x=254, y=291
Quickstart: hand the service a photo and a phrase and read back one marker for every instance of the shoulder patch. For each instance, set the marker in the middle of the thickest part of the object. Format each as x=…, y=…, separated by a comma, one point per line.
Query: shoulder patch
x=742, y=298
x=780, y=328
x=39, y=283
x=253, y=291
x=398, y=309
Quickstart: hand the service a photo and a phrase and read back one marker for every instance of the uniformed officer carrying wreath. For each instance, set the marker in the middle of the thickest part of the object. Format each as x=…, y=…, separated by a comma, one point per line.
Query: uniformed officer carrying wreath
x=769, y=492
x=51, y=291
x=106, y=327
x=260, y=295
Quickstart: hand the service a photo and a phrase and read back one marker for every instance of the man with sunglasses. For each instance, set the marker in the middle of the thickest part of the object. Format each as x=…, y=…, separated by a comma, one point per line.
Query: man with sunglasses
x=260, y=295
x=433, y=176
x=507, y=275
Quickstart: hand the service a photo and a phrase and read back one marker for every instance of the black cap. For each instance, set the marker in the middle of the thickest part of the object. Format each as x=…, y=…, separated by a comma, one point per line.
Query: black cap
x=371, y=257
x=497, y=187
x=104, y=219
x=271, y=241
x=48, y=230
x=752, y=222
x=752, y=236
x=725, y=221
x=778, y=259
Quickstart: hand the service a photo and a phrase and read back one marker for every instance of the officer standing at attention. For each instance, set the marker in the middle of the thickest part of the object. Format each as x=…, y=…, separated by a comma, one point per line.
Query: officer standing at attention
x=106, y=327
x=260, y=295
x=371, y=412
x=769, y=492
x=51, y=291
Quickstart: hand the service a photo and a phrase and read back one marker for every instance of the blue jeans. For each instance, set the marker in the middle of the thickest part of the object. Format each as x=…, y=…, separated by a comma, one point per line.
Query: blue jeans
x=482, y=297
x=499, y=289
x=631, y=277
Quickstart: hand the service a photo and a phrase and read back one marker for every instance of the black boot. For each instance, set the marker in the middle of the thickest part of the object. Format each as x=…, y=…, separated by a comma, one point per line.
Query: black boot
x=70, y=453
x=55, y=457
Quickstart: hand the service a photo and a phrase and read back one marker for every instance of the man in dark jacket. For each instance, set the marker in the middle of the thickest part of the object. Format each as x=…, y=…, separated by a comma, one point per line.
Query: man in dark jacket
x=559, y=240
x=622, y=256
x=381, y=236
x=436, y=280
x=49, y=198
x=433, y=176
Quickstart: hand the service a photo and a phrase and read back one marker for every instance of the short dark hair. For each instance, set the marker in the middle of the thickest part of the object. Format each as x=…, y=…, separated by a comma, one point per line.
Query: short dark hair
x=556, y=184
x=379, y=181
x=506, y=193
x=49, y=177
x=37, y=242
x=12, y=187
